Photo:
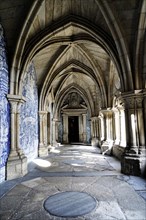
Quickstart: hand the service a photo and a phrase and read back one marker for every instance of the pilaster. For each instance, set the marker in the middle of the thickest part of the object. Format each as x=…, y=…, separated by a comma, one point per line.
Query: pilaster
x=94, y=131
x=55, y=131
x=107, y=144
x=65, y=128
x=84, y=128
x=43, y=147
x=17, y=161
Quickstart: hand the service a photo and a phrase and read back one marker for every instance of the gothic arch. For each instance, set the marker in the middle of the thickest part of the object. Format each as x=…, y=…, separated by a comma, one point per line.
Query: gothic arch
x=41, y=40
x=120, y=41
x=140, y=51
x=64, y=93
x=20, y=46
x=68, y=67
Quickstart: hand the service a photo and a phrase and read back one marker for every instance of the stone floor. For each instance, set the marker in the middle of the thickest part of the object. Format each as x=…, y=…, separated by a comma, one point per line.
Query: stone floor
x=79, y=169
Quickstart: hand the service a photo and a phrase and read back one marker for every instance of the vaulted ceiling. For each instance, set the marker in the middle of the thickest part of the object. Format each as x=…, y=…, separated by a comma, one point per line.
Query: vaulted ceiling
x=73, y=44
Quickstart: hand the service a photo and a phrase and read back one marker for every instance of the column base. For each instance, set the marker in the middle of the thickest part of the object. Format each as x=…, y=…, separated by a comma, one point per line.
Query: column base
x=133, y=165
x=95, y=142
x=84, y=137
x=16, y=167
x=43, y=151
x=65, y=138
x=106, y=147
x=2, y=174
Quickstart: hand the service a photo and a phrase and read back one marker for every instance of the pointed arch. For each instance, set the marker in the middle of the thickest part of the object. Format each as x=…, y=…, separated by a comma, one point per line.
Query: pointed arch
x=140, y=47
x=64, y=93
x=20, y=47
x=45, y=37
x=120, y=42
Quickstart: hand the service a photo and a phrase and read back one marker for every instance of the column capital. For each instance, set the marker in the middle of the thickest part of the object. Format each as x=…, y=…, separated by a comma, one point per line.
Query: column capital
x=107, y=112
x=64, y=114
x=133, y=99
x=94, y=118
x=55, y=120
x=43, y=112
x=16, y=98
x=15, y=101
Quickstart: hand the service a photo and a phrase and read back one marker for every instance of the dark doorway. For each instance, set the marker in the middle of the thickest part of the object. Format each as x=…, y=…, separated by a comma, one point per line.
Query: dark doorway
x=73, y=129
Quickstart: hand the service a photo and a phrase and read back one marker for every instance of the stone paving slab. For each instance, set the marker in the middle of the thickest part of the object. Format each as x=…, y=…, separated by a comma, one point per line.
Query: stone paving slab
x=118, y=195
x=113, y=194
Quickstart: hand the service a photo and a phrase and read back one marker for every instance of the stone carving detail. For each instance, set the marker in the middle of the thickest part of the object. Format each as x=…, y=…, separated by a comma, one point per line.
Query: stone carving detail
x=4, y=108
x=29, y=116
x=134, y=101
x=74, y=101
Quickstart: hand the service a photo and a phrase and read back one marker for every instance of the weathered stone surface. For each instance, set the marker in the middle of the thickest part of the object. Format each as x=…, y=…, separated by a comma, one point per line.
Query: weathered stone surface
x=118, y=196
x=133, y=165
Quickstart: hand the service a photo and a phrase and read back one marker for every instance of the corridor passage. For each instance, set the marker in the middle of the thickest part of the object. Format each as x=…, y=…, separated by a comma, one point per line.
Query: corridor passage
x=74, y=182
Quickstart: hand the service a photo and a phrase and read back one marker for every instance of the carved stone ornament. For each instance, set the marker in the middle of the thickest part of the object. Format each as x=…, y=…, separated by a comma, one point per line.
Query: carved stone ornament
x=74, y=101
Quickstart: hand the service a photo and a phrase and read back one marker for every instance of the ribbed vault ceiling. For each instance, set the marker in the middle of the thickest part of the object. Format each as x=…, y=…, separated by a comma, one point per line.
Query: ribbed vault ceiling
x=83, y=50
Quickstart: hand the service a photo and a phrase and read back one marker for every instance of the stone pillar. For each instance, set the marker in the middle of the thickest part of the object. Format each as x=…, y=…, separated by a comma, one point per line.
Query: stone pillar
x=48, y=130
x=133, y=162
x=17, y=162
x=107, y=144
x=119, y=132
x=65, y=128
x=116, y=126
x=55, y=131
x=94, y=131
x=80, y=128
x=122, y=127
x=101, y=127
x=43, y=146
x=84, y=128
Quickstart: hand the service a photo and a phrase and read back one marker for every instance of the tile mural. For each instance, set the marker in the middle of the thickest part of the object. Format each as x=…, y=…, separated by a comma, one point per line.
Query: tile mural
x=29, y=116
x=4, y=108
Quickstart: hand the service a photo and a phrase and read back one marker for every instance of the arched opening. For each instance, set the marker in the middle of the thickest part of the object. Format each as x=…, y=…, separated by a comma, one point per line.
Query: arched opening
x=73, y=129
x=70, y=72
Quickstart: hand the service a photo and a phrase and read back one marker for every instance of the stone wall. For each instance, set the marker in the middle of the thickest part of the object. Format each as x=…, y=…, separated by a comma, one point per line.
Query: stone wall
x=4, y=109
x=29, y=116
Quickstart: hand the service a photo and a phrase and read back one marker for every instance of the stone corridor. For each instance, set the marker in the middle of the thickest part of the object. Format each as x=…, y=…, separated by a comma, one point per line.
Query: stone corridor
x=79, y=169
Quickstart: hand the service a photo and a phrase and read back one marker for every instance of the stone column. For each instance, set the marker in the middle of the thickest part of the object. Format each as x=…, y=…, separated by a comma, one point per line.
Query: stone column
x=133, y=162
x=65, y=128
x=48, y=129
x=80, y=128
x=117, y=126
x=122, y=127
x=107, y=144
x=84, y=128
x=43, y=146
x=94, y=131
x=20, y=151
x=17, y=162
x=101, y=127
x=55, y=131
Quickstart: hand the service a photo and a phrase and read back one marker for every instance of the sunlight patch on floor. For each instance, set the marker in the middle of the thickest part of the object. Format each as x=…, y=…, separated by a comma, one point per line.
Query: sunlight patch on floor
x=42, y=163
